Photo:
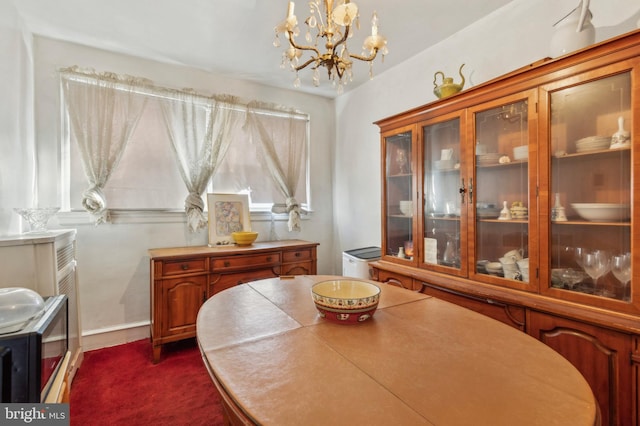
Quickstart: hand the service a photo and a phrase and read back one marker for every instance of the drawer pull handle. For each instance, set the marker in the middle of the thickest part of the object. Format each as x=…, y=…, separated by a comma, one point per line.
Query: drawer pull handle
x=268, y=258
x=184, y=266
x=227, y=264
x=298, y=254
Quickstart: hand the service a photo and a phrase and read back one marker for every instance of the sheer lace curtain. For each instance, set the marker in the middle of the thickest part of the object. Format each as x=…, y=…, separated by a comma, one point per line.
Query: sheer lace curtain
x=200, y=129
x=284, y=166
x=103, y=110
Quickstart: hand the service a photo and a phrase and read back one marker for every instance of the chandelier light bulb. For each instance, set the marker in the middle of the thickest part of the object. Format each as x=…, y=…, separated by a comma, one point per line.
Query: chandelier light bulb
x=291, y=9
x=374, y=24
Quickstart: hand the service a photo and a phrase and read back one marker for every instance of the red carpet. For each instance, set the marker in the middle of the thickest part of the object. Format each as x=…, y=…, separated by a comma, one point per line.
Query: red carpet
x=121, y=386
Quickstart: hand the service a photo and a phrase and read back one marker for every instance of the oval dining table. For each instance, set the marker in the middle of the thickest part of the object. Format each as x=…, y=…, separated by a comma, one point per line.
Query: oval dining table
x=418, y=361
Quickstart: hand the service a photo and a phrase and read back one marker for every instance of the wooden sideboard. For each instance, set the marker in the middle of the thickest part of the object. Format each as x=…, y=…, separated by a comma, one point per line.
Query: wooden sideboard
x=183, y=278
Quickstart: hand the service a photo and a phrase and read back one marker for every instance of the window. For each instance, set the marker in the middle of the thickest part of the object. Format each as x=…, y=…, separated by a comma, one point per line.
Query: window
x=148, y=177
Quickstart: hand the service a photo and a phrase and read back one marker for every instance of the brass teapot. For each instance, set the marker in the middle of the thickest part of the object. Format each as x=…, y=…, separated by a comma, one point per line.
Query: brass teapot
x=448, y=87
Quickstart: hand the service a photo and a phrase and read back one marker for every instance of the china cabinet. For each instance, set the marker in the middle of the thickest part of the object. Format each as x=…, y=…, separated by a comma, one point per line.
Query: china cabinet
x=183, y=278
x=516, y=199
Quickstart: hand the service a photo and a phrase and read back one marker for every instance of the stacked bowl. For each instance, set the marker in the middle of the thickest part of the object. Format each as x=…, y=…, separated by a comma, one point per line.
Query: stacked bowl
x=406, y=207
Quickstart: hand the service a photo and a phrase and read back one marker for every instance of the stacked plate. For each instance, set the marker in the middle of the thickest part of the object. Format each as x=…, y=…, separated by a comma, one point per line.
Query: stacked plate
x=487, y=210
x=593, y=143
x=494, y=268
x=488, y=159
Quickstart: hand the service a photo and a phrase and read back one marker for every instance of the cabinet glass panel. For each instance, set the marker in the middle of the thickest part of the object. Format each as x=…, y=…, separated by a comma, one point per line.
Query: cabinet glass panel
x=442, y=200
x=399, y=196
x=591, y=188
x=502, y=191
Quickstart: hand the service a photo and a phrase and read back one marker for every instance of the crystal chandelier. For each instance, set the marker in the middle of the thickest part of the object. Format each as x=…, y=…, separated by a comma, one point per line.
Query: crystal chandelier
x=333, y=26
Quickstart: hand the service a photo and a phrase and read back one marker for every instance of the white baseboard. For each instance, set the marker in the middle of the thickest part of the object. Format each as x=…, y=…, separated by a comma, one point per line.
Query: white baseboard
x=113, y=336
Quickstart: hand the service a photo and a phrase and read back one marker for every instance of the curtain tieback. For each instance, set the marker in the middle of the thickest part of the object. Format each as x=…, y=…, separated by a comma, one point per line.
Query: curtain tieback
x=293, y=208
x=194, y=200
x=94, y=201
x=194, y=208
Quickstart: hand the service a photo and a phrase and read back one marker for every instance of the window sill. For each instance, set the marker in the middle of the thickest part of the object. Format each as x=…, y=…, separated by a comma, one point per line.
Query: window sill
x=75, y=218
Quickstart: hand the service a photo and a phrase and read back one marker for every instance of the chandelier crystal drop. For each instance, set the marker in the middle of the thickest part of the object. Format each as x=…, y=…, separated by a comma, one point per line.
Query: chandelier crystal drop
x=332, y=22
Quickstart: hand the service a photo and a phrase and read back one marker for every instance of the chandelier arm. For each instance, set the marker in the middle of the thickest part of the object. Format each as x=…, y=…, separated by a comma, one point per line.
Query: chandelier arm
x=365, y=58
x=343, y=39
x=297, y=46
x=299, y=67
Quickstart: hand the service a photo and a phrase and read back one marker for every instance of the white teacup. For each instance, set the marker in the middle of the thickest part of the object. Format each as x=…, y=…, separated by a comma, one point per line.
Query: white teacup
x=509, y=267
x=515, y=254
x=523, y=264
x=446, y=154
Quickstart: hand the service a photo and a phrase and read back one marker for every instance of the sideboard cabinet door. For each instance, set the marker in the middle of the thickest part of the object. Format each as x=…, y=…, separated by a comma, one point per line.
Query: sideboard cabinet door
x=183, y=298
x=602, y=356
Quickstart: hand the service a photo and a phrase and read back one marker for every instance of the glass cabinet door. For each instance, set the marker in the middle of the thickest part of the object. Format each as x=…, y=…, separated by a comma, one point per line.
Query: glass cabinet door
x=444, y=233
x=399, y=195
x=501, y=192
x=590, y=189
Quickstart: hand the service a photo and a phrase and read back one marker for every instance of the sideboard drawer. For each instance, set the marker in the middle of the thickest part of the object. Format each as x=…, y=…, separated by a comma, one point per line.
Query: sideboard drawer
x=243, y=262
x=219, y=282
x=186, y=266
x=296, y=256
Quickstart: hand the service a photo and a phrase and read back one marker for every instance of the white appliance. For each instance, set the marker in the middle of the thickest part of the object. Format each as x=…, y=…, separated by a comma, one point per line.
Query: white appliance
x=355, y=263
x=46, y=263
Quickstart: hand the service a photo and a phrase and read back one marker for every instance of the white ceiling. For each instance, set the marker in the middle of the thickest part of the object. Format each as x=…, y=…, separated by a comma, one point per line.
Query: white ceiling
x=234, y=37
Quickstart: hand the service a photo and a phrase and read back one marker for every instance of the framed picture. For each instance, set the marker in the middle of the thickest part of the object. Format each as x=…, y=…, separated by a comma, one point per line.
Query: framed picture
x=227, y=213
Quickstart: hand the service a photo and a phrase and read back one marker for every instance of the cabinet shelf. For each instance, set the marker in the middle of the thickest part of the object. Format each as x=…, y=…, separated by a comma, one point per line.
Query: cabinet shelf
x=510, y=164
x=511, y=221
x=599, y=152
x=589, y=223
x=445, y=171
x=444, y=217
x=400, y=216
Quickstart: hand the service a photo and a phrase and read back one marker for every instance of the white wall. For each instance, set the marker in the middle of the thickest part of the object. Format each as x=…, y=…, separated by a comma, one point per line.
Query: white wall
x=512, y=37
x=16, y=118
x=113, y=264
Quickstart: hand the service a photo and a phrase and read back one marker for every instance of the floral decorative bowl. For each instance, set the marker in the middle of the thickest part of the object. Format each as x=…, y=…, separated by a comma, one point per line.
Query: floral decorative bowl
x=244, y=238
x=346, y=301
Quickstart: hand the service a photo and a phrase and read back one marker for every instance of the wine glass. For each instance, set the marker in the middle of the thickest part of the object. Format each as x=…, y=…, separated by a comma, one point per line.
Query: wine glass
x=596, y=264
x=578, y=255
x=621, y=268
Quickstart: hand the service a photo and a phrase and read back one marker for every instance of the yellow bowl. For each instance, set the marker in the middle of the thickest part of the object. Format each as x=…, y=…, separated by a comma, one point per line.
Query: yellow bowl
x=346, y=301
x=244, y=238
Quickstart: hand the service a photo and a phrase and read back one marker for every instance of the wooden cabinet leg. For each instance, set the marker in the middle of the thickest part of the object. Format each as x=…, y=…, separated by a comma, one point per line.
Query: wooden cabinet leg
x=157, y=349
